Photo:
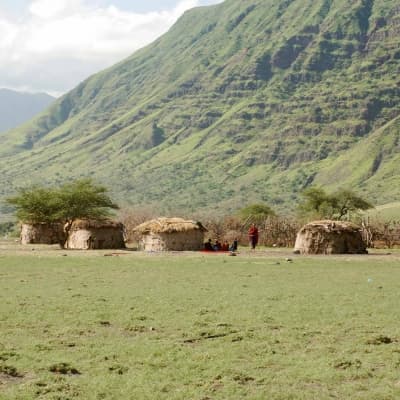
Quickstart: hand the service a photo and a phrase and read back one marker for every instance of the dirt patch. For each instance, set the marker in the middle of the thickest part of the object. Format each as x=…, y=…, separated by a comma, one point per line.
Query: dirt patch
x=9, y=375
x=9, y=380
x=12, y=248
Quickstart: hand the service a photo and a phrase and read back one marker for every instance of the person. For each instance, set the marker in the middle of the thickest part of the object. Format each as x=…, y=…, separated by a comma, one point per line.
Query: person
x=234, y=245
x=208, y=245
x=225, y=246
x=253, y=236
x=217, y=245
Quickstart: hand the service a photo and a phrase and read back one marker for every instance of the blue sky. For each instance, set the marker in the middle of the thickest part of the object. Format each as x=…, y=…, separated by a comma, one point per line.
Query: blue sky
x=52, y=45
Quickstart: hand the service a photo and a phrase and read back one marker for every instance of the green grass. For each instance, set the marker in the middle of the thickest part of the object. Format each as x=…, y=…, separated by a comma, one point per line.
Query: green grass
x=386, y=212
x=147, y=326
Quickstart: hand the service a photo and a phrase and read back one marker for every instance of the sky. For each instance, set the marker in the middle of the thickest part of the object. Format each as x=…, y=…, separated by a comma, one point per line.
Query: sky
x=52, y=45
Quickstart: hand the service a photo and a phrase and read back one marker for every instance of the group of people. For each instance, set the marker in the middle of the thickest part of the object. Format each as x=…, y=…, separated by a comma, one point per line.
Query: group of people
x=225, y=246
x=218, y=246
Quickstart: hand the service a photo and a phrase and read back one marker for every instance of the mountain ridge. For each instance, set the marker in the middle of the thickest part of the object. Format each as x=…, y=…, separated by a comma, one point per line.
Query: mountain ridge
x=239, y=102
x=18, y=107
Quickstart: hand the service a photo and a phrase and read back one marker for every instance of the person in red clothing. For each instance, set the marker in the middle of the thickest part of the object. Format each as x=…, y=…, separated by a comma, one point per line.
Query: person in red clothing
x=225, y=246
x=253, y=236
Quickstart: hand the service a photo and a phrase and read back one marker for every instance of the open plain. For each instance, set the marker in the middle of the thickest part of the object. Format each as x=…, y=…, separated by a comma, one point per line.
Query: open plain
x=131, y=325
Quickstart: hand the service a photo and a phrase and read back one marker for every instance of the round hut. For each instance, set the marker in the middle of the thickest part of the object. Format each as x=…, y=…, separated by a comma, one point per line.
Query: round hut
x=171, y=234
x=330, y=237
x=42, y=233
x=94, y=234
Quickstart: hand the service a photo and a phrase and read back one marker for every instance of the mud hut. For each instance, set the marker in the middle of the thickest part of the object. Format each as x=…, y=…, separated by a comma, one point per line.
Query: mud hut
x=93, y=234
x=171, y=234
x=42, y=233
x=330, y=237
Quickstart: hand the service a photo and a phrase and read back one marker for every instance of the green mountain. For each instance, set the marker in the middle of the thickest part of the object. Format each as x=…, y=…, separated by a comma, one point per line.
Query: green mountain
x=18, y=107
x=248, y=100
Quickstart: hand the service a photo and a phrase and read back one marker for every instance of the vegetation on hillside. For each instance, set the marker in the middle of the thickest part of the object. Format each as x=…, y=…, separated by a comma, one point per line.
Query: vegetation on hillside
x=385, y=212
x=248, y=98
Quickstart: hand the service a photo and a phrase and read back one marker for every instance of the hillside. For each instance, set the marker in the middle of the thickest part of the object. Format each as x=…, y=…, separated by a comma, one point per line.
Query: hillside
x=245, y=101
x=386, y=212
x=17, y=107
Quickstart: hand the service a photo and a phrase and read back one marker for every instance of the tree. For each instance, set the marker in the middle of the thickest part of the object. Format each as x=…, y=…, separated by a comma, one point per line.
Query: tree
x=84, y=199
x=347, y=201
x=256, y=213
x=36, y=204
x=318, y=204
x=79, y=199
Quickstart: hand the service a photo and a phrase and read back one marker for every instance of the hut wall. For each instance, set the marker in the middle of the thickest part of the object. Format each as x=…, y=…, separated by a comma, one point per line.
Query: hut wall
x=42, y=234
x=177, y=241
x=321, y=242
x=101, y=238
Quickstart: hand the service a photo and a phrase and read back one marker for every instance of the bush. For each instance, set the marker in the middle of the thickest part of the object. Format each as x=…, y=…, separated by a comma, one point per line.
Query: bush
x=131, y=218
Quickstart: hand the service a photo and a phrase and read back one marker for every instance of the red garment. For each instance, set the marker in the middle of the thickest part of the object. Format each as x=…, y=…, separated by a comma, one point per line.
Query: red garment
x=253, y=233
x=253, y=237
x=225, y=247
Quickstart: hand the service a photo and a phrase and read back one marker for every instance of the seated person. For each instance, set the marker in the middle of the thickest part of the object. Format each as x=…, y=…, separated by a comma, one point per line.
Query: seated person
x=234, y=245
x=217, y=245
x=225, y=246
x=208, y=245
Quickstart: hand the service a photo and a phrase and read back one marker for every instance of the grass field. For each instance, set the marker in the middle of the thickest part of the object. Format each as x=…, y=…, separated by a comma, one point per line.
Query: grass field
x=129, y=325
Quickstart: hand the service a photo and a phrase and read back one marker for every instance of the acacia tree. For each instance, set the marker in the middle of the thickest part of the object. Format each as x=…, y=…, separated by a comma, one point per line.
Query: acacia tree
x=348, y=201
x=84, y=199
x=36, y=204
x=316, y=203
x=256, y=213
x=79, y=199
x=319, y=204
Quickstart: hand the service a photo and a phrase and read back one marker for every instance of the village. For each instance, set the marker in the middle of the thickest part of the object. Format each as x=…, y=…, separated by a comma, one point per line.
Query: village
x=199, y=200
x=89, y=226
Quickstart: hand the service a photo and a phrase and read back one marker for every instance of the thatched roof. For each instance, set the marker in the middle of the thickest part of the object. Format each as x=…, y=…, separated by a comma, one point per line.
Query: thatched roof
x=330, y=226
x=169, y=225
x=95, y=224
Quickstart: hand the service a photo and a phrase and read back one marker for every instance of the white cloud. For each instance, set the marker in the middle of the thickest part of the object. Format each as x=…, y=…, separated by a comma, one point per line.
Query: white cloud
x=52, y=9
x=59, y=43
